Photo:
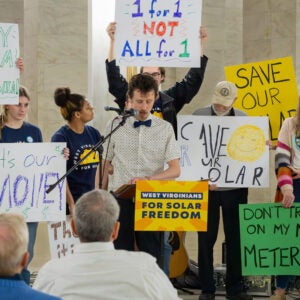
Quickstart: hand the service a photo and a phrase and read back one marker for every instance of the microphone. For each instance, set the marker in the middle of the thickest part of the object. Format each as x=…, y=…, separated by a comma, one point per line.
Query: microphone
x=127, y=112
x=109, y=108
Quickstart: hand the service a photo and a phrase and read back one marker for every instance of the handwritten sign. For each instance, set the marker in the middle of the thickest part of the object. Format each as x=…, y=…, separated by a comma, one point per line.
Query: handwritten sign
x=229, y=151
x=158, y=32
x=171, y=205
x=26, y=172
x=61, y=238
x=270, y=236
x=266, y=88
x=9, y=73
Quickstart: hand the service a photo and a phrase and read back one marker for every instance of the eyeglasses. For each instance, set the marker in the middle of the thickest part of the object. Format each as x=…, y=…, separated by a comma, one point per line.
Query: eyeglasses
x=154, y=75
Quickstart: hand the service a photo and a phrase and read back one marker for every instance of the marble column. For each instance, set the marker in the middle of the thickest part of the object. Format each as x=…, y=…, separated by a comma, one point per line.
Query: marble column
x=55, y=54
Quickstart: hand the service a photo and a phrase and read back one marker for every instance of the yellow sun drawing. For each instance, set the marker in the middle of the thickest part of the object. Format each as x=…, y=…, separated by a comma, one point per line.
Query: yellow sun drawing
x=247, y=143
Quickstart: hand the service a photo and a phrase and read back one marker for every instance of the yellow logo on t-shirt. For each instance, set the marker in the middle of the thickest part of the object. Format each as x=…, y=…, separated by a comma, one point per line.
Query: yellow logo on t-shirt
x=158, y=114
x=91, y=159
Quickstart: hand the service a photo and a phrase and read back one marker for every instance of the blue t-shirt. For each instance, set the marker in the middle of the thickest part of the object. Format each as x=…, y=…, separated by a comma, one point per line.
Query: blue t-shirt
x=82, y=179
x=27, y=133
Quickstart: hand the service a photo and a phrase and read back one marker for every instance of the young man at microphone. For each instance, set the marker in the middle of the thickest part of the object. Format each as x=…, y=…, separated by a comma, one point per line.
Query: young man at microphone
x=139, y=150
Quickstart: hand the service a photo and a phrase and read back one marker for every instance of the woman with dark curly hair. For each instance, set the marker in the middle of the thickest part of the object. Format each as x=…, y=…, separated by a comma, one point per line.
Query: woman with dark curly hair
x=80, y=139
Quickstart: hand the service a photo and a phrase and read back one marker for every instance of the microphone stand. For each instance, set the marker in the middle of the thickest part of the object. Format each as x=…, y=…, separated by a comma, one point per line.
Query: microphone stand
x=94, y=148
x=100, y=150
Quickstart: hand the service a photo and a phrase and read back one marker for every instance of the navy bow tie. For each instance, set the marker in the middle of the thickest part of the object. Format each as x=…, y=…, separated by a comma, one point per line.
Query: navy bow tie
x=139, y=123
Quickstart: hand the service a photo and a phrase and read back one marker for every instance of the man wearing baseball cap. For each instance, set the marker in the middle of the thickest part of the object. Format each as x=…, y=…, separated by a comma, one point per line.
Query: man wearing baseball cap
x=228, y=199
x=223, y=99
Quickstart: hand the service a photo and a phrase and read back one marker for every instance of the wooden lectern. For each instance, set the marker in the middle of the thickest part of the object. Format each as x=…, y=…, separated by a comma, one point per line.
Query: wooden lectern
x=126, y=191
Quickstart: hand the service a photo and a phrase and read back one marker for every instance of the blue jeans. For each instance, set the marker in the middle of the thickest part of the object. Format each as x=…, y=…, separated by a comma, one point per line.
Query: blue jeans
x=283, y=280
x=32, y=229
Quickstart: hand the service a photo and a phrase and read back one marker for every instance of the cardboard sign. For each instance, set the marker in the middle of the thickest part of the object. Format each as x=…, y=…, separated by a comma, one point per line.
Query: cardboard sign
x=9, y=73
x=266, y=88
x=270, y=239
x=26, y=172
x=229, y=151
x=158, y=33
x=61, y=238
x=171, y=205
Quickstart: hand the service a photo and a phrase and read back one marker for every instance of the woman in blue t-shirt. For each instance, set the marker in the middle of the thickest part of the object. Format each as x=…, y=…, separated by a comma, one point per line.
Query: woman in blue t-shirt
x=80, y=139
x=13, y=129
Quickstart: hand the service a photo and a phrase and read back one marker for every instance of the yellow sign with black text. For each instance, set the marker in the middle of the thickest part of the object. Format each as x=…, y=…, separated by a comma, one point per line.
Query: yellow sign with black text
x=266, y=88
x=171, y=205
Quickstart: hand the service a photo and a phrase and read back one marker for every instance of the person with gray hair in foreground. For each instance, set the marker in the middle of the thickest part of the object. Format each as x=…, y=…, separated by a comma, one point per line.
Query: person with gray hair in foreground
x=13, y=258
x=96, y=270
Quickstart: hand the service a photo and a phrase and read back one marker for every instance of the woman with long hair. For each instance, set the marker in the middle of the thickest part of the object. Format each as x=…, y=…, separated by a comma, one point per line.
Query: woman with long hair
x=287, y=167
x=14, y=129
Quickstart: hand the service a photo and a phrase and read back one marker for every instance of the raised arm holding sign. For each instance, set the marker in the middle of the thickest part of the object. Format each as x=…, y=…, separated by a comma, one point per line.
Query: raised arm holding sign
x=9, y=63
x=167, y=103
x=158, y=32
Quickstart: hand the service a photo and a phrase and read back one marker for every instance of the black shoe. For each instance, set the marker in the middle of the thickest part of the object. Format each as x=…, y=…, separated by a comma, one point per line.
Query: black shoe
x=207, y=296
x=239, y=296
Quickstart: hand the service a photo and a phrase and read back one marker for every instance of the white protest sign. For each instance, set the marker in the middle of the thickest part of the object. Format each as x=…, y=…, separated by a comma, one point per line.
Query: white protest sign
x=61, y=238
x=229, y=151
x=158, y=33
x=9, y=73
x=26, y=172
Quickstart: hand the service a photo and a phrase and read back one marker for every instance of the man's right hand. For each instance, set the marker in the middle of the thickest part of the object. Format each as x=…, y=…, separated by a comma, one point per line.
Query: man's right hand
x=111, y=29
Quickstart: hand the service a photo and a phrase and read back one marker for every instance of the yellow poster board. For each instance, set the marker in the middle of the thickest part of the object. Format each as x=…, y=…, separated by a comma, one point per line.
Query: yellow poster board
x=171, y=205
x=266, y=88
